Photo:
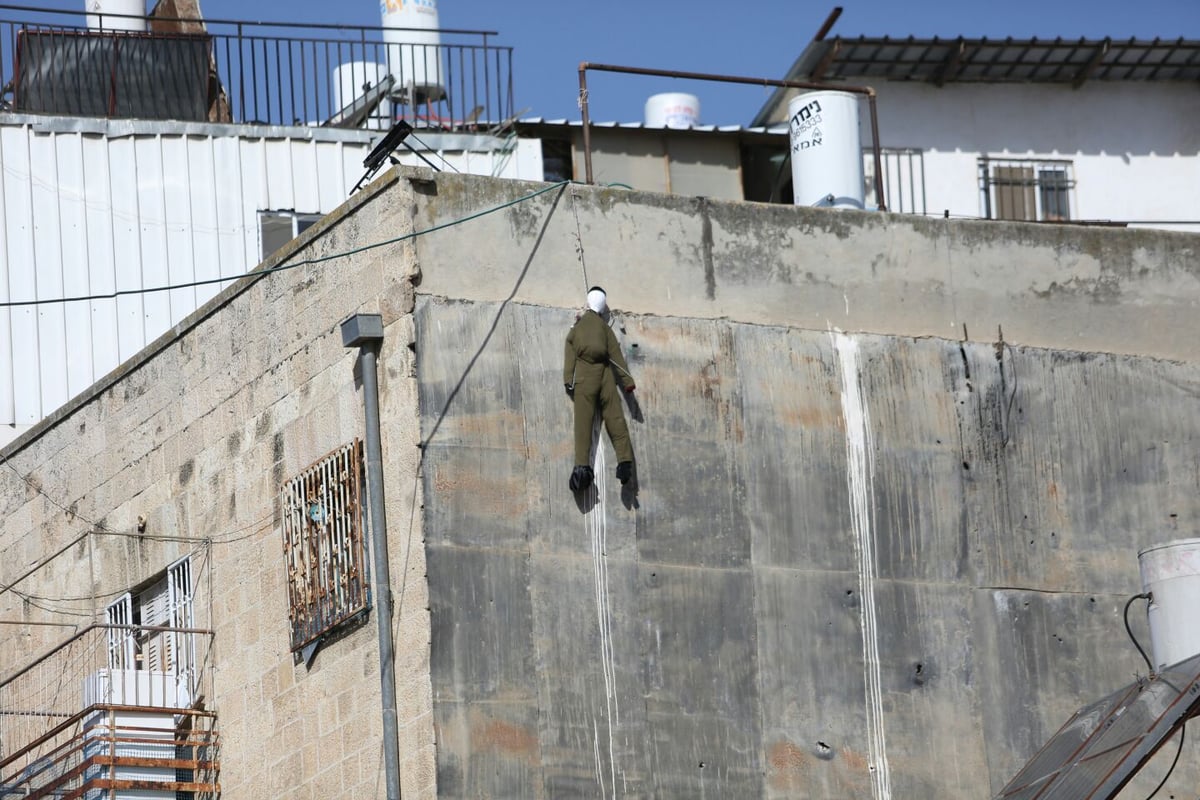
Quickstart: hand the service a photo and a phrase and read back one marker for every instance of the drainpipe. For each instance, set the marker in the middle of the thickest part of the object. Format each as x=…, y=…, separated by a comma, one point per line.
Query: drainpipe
x=365, y=331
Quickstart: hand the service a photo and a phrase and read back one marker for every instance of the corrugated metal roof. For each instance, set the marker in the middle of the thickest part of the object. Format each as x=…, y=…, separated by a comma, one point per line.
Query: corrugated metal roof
x=940, y=61
x=780, y=128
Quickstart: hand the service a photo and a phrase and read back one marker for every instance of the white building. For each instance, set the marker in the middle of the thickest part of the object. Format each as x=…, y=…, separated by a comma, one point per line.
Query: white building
x=99, y=197
x=1104, y=131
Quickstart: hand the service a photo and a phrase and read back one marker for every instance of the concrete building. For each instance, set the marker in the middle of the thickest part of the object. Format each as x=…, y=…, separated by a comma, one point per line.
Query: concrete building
x=893, y=474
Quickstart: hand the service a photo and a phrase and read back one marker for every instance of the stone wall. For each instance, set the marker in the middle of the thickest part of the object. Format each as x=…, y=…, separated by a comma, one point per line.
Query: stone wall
x=196, y=436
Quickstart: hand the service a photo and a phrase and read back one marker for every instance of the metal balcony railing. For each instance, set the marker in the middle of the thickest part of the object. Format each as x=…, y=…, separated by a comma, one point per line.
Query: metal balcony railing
x=116, y=751
x=86, y=712
x=273, y=73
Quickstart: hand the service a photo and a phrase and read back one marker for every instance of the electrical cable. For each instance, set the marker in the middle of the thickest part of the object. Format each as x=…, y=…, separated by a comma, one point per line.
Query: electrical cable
x=1128, y=630
x=1163, y=782
x=47, y=497
x=438, y=153
x=288, y=265
x=260, y=526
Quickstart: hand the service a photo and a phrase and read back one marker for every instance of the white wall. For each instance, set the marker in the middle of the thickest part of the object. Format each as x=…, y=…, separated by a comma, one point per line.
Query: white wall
x=1135, y=147
x=93, y=206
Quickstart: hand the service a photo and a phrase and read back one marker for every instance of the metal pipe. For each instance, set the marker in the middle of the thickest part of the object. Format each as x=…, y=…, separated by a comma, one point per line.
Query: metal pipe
x=366, y=332
x=880, y=200
x=587, y=134
x=584, y=66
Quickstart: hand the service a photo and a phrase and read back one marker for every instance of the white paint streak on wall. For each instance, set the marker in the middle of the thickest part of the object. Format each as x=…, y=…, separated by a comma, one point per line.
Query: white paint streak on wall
x=860, y=469
x=596, y=525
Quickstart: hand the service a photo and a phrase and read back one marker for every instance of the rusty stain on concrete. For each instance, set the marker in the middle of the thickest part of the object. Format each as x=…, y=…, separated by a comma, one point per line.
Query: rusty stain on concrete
x=788, y=766
x=488, y=733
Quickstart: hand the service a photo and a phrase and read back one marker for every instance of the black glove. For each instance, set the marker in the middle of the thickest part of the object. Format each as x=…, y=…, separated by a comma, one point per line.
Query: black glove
x=570, y=389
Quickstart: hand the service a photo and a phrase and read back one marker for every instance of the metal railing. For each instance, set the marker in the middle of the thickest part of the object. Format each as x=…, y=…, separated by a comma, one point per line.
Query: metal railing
x=110, y=750
x=87, y=670
x=274, y=73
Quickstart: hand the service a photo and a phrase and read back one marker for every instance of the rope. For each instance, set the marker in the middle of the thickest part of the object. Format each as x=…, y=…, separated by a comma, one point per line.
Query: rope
x=579, y=241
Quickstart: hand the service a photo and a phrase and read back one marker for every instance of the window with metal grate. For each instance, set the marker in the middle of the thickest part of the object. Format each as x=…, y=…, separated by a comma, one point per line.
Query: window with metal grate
x=323, y=548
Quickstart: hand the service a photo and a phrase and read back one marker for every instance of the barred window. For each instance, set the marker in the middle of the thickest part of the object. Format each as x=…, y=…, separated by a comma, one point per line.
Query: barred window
x=323, y=550
x=1026, y=190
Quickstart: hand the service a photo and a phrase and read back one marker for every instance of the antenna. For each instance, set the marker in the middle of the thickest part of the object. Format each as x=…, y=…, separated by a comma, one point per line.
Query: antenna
x=391, y=140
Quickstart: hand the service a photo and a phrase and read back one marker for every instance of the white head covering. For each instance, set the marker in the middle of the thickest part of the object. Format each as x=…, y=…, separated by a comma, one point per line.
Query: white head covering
x=596, y=300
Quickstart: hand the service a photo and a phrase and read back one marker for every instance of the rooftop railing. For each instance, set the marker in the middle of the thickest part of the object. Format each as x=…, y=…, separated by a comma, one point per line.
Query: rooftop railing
x=272, y=73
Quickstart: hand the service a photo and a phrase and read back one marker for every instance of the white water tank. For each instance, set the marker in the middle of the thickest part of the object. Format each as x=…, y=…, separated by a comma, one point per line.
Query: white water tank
x=1171, y=574
x=414, y=57
x=100, y=15
x=672, y=110
x=354, y=79
x=827, y=165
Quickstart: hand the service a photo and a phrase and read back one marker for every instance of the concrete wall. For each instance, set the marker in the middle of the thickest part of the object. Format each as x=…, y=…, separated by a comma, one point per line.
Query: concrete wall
x=886, y=563
x=775, y=613
x=1101, y=290
x=877, y=561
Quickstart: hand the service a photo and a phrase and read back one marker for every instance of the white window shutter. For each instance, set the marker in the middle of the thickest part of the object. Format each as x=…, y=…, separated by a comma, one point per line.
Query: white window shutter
x=179, y=601
x=120, y=641
x=153, y=603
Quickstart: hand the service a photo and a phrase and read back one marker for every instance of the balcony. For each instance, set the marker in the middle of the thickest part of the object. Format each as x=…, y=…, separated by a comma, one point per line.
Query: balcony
x=258, y=73
x=72, y=726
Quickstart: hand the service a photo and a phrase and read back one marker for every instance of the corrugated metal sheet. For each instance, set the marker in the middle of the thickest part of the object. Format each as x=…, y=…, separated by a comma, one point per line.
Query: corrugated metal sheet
x=999, y=60
x=87, y=213
x=91, y=209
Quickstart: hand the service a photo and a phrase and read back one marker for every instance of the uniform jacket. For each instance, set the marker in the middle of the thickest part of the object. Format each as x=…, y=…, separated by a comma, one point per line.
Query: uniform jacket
x=592, y=342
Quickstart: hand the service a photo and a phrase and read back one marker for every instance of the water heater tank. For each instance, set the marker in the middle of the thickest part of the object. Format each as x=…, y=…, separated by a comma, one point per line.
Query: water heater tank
x=352, y=81
x=1171, y=574
x=672, y=110
x=414, y=56
x=827, y=164
x=101, y=14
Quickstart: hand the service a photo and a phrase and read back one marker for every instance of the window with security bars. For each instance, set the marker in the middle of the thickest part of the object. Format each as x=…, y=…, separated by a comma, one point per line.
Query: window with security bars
x=1026, y=190
x=137, y=642
x=323, y=548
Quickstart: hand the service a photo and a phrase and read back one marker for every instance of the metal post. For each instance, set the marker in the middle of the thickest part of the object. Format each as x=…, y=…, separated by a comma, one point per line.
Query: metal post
x=880, y=200
x=587, y=132
x=365, y=331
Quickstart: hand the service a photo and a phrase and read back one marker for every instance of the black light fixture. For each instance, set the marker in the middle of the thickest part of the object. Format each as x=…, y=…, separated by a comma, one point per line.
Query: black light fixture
x=381, y=152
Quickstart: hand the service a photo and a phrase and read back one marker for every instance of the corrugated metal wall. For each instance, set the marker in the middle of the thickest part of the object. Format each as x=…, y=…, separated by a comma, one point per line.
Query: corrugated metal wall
x=90, y=213
x=93, y=207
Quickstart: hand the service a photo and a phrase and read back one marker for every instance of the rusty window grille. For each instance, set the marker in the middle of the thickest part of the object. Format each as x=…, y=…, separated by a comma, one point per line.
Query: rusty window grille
x=323, y=550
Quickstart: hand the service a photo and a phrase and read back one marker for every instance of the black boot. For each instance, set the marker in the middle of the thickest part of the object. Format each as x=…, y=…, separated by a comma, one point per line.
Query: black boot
x=581, y=478
x=624, y=472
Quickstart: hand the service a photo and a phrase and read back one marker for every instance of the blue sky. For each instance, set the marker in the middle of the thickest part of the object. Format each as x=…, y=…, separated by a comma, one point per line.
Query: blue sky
x=754, y=38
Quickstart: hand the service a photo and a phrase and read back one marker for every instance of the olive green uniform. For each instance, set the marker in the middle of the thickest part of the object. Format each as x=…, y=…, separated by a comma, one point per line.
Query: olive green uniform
x=591, y=347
